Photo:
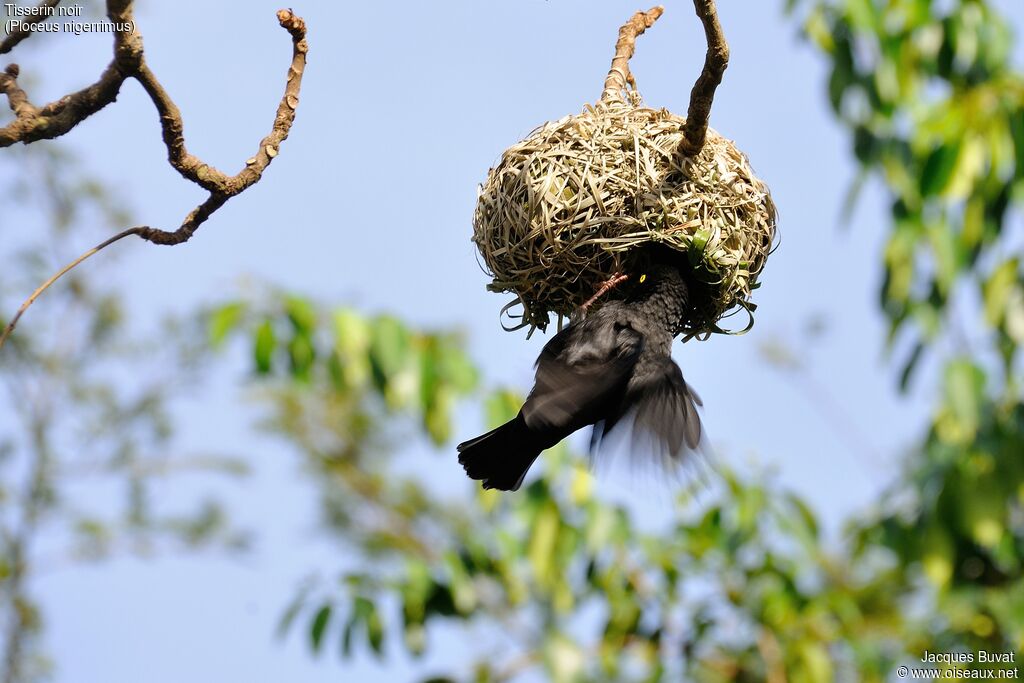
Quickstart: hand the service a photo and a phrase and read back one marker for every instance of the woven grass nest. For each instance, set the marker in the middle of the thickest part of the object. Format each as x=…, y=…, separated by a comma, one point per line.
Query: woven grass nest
x=580, y=200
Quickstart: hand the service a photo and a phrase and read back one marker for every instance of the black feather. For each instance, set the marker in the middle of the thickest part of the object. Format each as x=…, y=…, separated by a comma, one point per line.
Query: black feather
x=615, y=362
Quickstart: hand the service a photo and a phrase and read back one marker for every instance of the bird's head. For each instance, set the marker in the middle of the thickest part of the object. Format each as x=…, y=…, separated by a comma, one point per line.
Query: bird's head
x=661, y=289
x=654, y=277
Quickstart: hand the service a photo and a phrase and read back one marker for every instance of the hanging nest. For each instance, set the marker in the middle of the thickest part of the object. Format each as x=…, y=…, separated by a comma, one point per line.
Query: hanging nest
x=581, y=199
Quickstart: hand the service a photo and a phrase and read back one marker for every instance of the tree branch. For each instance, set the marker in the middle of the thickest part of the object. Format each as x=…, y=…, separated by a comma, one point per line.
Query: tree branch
x=57, y=118
x=619, y=75
x=15, y=37
x=16, y=97
x=703, y=93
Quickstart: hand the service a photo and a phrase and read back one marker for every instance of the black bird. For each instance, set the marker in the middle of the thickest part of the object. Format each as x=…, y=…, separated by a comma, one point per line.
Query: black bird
x=615, y=361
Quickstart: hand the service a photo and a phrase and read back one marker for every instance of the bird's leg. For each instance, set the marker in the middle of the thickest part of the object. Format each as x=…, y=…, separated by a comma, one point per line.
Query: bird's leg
x=611, y=283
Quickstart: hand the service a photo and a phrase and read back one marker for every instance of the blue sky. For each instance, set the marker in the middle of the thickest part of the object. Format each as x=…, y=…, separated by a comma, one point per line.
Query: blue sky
x=404, y=108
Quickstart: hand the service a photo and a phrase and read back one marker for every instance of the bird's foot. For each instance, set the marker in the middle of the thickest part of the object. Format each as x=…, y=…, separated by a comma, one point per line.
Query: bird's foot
x=611, y=283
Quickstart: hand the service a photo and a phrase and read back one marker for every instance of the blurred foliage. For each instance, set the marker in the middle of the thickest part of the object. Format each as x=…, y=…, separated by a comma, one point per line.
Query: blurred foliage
x=727, y=581
x=346, y=390
x=935, y=110
x=85, y=423
x=738, y=585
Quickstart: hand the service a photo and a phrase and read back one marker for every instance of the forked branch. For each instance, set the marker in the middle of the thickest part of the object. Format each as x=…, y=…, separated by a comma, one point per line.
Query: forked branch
x=703, y=93
x=24, y=31
x=33, y=123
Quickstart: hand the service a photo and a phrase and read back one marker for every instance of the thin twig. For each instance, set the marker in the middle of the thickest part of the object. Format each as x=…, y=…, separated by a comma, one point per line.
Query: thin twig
x=59, y=117
x=20, y=34
x=619, y=75
x=703, y=94
x=46, y=285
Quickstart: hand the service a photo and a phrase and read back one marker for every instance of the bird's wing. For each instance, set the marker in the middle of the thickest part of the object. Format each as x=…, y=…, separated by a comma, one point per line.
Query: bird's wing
x=581, y=373
x=664, y=407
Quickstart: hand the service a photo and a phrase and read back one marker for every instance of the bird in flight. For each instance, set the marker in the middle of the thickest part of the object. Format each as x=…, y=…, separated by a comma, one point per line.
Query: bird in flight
x=612, y=367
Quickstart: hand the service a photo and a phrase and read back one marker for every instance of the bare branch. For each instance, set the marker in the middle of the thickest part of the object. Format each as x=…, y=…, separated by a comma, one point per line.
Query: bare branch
x=208, y=177
x=620, y=75
x=15, y=37
x=16, y=97
x=59, y=117
x=703, y=93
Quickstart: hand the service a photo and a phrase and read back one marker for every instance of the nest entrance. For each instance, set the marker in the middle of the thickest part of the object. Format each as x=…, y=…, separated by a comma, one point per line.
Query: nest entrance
x=589, y=195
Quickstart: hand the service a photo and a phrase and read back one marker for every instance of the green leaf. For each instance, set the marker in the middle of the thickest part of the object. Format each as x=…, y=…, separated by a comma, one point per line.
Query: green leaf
x=806, y=516
x=1017, y=133
x=969, y=165
x=415, y=591
x=223, y=321
x=351, y=349
x=947, y=256
x=265, y=343
x=351, y=333
x=964, y=385
x=391, y=360
x=463, y=590
x=320, y=621
x=937, y=555
x=288, y=618
x=983, y=508
x=374, y=629
x=301, y=355
x=911, y=365
x=543, y=538
x=862, y=15
x=851, y=197
x=440, y=602
x=817, y=27
x=998, y=288
x=437, y=417
x=938, y=168
x=430, y=379
x=456, y=369
x=816, y=661
x=301, y=313
x=347, y=633
x=389, y=344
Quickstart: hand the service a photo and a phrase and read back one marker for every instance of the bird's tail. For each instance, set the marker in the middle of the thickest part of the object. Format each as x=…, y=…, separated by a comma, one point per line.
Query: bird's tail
x=666, y=408
x=665, y=421
x=501, y=457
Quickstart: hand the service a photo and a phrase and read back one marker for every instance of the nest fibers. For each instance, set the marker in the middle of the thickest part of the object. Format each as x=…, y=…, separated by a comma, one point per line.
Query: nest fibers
x=573, y=204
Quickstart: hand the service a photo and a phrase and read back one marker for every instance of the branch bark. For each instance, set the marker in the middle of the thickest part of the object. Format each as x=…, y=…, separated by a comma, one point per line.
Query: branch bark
x=703, y=94
x=619, y=76
x=15, y=37
x=57, y=118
